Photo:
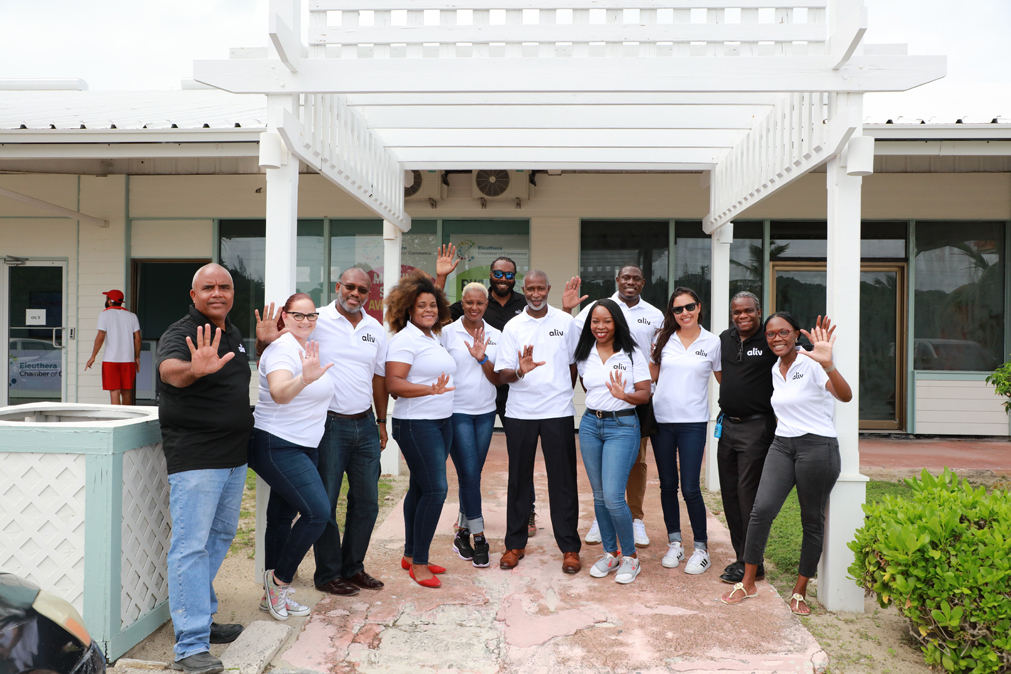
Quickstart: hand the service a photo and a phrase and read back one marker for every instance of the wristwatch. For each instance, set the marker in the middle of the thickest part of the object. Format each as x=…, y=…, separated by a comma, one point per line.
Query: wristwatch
x=483, y=360
x=380, y=421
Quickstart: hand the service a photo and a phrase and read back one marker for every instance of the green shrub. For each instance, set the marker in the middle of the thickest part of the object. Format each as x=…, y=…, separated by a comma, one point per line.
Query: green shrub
x=1001, y=380
x=943, y=556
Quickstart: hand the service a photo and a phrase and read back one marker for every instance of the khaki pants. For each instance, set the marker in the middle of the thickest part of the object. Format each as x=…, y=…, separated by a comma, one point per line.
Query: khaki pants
x=636, y=489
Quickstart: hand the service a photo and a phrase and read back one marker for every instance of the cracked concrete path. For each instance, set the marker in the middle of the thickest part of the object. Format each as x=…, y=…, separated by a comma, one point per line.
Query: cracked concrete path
x=537, y=619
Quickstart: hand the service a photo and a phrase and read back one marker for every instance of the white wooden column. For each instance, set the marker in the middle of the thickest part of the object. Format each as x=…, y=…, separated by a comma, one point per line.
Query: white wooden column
x=719, y=320
x=392, y=241
x=279, y=274
x=836, y=591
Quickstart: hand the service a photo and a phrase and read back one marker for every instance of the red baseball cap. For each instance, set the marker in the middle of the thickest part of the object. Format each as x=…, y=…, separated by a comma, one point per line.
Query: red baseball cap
x=114, y=295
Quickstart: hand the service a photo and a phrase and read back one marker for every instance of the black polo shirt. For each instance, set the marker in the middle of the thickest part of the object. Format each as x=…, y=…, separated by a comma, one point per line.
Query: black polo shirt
x=206, y=424
x=496, y=314
x=746, y=388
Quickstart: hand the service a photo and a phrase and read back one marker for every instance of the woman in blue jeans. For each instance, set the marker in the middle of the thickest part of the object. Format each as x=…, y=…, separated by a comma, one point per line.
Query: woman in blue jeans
x=684, y=354
x=615, y=375
x=289, y=419
x=473, y=344
x=419, y=371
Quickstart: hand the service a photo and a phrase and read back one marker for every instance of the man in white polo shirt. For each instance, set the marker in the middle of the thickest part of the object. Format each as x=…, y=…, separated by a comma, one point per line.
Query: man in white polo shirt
x=536, y=359
x=643, y=321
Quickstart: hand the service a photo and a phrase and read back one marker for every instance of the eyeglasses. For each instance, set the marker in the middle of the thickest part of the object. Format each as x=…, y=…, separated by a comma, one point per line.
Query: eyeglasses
x=508, y=275
x=351, y=287
x=740, y=351
x=688, y=307
x=298, y=315
x=784, y=333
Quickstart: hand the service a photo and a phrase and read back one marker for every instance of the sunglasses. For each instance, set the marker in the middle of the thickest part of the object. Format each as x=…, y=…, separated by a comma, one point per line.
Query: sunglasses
x=298, y=315
x=351, y=287
x=508, y=275
x=784, y=333
x=688, y=307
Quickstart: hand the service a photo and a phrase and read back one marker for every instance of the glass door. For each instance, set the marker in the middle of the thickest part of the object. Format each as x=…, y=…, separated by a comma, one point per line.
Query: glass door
x=34, y=330
x=799, y=287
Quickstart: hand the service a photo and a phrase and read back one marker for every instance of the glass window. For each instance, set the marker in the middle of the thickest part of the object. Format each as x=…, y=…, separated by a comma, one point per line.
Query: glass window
x=797, y=240
x=479, y=243
x=959, y=296
x=883, y=240
x=310, y=260
x=607, y=245
x=692, y=262
x=747, y=262
x=242, y=251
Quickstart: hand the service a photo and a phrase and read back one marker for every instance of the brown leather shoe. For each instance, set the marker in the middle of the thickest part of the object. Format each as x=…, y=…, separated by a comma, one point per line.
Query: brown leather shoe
x=510, y=558
x=571, y=563
x=339, y=587
x=364, y=580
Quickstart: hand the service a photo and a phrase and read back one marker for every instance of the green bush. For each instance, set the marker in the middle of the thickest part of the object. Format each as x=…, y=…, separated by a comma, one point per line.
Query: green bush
x=943, y=556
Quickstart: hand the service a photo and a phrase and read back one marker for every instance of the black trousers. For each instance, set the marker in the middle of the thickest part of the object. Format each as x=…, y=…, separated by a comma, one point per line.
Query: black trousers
x=558, y=445
x=740, y=456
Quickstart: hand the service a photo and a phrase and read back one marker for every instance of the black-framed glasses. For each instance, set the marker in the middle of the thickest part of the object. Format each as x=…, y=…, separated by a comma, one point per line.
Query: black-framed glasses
x=784, y=333
x=508, y=275
x=351, y=287
x=298, y=315
x=688, y=307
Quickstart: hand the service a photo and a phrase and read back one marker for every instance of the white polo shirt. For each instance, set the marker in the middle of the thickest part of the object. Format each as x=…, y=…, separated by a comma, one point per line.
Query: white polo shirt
x=644, y=321
x=428, y=359
x=800, y=400
x=546, y=391
x=682, y=390
x=596, y=374
x=357, y=352
x=474, y=393
x=119, y=325
x=302, y=420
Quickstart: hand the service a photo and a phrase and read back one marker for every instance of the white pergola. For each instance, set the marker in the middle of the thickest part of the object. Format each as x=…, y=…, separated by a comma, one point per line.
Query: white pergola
x=755, y=93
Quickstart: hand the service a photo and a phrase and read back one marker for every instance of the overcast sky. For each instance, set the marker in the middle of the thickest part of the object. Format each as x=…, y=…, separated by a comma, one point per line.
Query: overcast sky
x=143, y=45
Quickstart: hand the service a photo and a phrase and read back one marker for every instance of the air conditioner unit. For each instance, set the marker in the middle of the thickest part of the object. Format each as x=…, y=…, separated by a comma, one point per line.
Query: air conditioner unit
x=500, y=185
x=422, y=185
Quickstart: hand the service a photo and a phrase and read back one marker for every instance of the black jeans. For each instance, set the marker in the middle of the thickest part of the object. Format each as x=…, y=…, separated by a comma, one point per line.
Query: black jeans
x=811, y=462
x=558, y=445
x=740, y=456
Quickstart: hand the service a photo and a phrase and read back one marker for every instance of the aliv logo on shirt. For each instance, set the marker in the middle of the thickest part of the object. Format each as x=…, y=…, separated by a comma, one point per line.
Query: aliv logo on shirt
x=556, y=333
x=702, y=353
x=798, y=375
x=645, y=321
x=368, y=338
x=754, y=352
x=619, y=366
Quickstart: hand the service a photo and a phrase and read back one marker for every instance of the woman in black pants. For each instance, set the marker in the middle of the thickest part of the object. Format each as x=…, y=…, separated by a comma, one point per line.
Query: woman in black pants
x=805, y=451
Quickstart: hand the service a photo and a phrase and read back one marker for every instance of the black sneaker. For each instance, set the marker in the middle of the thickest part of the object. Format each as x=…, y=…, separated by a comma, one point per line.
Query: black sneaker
x=481, y=550
x=461, y=545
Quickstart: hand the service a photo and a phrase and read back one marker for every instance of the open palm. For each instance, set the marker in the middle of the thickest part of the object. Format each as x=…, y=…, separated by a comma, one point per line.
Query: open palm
x=822, y=337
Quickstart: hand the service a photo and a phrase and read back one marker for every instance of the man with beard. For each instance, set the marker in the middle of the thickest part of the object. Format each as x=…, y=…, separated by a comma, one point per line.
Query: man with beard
x=748, y=420
x=348, y=336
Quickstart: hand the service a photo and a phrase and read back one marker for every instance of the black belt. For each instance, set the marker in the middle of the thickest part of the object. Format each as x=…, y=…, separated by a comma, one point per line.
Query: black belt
x=338, y=415
x=741, y=420
x=604, y=415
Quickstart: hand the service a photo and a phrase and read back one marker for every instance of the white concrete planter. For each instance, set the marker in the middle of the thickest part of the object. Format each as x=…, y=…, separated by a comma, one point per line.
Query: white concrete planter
x=84, y=513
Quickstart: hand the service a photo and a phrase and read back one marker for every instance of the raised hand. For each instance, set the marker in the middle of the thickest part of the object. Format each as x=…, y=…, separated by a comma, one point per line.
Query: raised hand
x=311, y=369
x=204, y=358
x=479, y=346
x=442, y=385
x=266, y=327
x=527, y=362
x=822, y=336
x=570, y=296
x=616, y=385
x=446, y=260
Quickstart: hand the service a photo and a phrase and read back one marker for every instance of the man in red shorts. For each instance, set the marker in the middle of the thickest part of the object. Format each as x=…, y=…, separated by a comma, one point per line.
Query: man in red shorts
x=121, y=330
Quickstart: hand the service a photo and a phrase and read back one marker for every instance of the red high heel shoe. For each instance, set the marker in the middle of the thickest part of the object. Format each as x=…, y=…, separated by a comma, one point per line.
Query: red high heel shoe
x=431, y=582
x=434, y=568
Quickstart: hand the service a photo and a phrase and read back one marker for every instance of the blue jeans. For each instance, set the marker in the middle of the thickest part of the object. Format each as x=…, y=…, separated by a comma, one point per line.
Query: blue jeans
x=684, y=444
x=348, y=446
x=205, y=515
x=471, y=439
x=610, y=447
x=295, y=488
x=425, y=445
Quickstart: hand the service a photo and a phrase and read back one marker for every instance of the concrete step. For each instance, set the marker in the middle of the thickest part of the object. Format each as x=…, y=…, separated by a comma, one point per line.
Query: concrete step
x=253, y=650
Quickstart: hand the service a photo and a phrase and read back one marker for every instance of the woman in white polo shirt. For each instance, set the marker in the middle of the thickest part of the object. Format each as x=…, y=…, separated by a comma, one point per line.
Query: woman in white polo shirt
x=473, y=344
x=684, y=354
x=419, y=371
x=805, y=451
x=615, y=375
x=288, y=425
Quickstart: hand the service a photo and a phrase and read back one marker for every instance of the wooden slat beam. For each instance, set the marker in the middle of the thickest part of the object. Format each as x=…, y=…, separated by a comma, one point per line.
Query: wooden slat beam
x=388, y=5
x=847, y=37
x=290, y=49
x=53, y=208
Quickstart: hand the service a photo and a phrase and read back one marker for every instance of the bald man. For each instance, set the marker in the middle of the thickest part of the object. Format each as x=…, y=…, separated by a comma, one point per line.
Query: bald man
x=203, y=407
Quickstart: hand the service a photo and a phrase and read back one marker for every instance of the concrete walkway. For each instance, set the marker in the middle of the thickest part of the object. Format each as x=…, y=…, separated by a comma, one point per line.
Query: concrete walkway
x=537, y=619
x=901, y=456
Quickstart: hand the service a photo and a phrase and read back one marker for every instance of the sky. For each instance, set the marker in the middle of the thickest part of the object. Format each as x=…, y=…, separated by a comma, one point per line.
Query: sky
x=122, y=45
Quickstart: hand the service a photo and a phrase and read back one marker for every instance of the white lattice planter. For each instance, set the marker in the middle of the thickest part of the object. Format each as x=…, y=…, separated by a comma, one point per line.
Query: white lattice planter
x=84, y=513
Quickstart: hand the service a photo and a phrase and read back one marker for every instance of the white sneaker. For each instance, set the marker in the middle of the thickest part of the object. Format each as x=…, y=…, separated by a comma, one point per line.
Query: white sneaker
x=699, y=562
x=639, y=529
x=593, y=535
x=630, y=568
x=291, y=606
x=276, y=605
x=675, y=553
x=604, y=565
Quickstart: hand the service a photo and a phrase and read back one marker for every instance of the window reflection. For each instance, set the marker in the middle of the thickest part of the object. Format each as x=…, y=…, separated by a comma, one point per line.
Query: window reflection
x=242, y=251
x=478, y=243
x=747, y=261
x=692, y=264
x=607, y=245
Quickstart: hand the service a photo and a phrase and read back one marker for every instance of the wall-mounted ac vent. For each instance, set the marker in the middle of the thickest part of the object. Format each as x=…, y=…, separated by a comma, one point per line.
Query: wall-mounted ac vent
x=500, y=185
x=422, y=185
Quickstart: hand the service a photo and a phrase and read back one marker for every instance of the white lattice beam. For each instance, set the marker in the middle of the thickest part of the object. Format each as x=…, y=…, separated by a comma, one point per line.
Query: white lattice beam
x=801, y=132
x=847, y=37
x=334, y=139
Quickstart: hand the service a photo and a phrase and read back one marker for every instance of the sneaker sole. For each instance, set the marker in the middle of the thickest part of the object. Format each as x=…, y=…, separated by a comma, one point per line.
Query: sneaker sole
x=699, y=572
x=482, y=566
x=666, y=565
x=640, y=544
x=626, y=582
x=274, y=613
x=594, y=541
x=596, y=574
x=213, y=669
x=460, y=554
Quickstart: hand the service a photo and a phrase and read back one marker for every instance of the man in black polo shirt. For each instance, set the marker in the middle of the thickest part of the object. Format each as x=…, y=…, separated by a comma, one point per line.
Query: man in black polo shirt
x=205, y=420
x=748, y=421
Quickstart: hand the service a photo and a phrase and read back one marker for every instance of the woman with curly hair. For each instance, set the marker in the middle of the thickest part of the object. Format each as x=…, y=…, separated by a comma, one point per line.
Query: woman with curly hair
x=419, y=371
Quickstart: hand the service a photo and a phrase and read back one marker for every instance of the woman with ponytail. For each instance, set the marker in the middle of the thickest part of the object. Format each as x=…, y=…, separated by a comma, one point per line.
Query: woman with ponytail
x=289, y=419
